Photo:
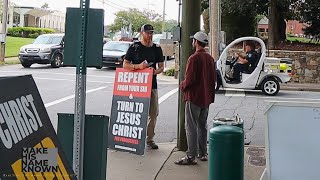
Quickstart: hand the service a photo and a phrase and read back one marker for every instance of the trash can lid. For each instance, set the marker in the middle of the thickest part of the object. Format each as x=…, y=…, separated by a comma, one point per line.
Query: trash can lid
x=231, y=122
x=225, y=130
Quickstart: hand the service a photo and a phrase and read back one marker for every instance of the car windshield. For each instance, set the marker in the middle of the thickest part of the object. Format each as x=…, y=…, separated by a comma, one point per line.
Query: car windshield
x=48, y=40
x=116, y=46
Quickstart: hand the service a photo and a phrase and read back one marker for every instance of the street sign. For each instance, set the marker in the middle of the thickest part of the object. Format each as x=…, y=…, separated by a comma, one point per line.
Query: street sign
x=130, y=109
x=73, y=35
x=29, y=147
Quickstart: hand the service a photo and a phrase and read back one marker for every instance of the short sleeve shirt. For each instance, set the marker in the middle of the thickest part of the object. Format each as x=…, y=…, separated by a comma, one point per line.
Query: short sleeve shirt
x=137, y=53
x=252, y=57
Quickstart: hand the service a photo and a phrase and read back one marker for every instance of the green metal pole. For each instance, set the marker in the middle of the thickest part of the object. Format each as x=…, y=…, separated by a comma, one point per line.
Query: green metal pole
x=191, y=11
x=80, y=95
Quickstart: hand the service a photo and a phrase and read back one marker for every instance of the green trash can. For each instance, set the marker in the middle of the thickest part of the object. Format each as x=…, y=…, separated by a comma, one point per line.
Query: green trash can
x=226, y=153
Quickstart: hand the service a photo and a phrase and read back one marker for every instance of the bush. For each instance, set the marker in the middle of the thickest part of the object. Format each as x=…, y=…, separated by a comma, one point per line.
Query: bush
x=170, y=72
x=28, y=32
x=34, y=35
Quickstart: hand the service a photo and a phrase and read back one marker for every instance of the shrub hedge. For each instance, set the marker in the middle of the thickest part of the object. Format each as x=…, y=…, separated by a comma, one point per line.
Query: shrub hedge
x=28, y=32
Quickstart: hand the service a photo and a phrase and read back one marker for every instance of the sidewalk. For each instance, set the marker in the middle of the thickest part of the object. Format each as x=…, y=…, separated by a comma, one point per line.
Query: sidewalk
x=158, y=165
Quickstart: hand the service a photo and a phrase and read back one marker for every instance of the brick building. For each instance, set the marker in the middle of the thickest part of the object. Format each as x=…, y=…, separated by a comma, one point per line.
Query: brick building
x=293, y=27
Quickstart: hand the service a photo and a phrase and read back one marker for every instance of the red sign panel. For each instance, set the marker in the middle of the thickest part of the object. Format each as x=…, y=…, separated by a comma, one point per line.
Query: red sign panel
x=133, y=83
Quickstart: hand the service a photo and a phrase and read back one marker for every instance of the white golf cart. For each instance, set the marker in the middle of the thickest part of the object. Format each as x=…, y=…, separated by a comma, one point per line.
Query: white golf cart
x=266, y=76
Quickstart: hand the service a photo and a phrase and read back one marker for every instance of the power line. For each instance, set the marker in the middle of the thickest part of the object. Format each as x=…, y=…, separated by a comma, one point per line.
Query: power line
x=106, y=2
x=127, y=3
x=118, y=5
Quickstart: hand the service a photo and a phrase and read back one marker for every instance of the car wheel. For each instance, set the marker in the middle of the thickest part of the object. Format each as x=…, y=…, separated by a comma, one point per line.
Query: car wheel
x=26, y=64
x=57, y=61
x=98, y=67
x=270, y=86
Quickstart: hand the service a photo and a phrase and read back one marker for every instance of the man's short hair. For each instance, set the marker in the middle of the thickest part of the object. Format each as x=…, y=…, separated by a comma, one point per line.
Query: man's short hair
x=251, y=44
x=201, y=43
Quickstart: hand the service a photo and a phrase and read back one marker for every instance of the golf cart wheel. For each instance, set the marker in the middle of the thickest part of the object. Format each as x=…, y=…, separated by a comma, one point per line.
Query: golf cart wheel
x=57, y=61
x=25, y=64
x=270, y=86
x=217, y=85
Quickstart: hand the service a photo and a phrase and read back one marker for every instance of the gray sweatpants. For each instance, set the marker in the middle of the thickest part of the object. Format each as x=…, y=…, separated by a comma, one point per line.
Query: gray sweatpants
x=196, y=129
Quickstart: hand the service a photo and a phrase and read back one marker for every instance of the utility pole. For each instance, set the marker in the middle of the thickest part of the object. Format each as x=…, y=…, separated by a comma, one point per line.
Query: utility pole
x=214, y=18
x=4, y=29
x=163, y=31
x=163, y=15
x=190, y=25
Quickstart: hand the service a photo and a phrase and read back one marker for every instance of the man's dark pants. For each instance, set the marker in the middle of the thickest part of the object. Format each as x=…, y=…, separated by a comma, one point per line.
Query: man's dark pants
x=237, y=68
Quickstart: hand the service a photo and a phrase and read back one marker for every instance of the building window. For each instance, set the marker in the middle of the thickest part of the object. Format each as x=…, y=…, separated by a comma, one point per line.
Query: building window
x=16, y=19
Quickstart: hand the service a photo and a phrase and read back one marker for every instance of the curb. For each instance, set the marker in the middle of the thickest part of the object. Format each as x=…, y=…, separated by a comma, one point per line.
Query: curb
x=300, y=89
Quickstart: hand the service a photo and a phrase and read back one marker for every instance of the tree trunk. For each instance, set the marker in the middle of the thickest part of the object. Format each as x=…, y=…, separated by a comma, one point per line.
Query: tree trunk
x=279, y=26
x=272, y=25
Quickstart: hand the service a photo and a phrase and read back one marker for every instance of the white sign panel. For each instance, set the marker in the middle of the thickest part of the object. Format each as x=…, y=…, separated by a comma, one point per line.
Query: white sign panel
x=293, y=141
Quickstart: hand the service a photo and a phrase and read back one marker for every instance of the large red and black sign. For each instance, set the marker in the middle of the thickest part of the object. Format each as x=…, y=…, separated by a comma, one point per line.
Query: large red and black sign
x=27, y=136
x=130, y=109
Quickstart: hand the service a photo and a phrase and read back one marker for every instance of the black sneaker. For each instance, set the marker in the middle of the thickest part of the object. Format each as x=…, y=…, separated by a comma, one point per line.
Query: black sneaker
x=152, y=145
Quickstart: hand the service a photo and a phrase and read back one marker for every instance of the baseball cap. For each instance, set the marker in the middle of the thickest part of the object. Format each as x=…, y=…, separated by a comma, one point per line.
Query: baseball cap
x=200, y=36
x=147, y=27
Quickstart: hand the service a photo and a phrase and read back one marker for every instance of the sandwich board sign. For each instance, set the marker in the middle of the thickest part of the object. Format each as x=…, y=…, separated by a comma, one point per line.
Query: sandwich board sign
x=29, y=147
x=130, y=109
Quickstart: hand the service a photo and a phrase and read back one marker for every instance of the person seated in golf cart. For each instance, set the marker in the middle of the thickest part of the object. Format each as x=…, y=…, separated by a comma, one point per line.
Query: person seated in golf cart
x=245, y=63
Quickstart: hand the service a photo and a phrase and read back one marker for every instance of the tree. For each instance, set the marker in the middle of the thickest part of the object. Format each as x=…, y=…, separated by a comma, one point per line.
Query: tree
x=169, y=25
x=310, y=13
x=138, y=18
x=125, y=18
x=45, y=6
x=239, y=14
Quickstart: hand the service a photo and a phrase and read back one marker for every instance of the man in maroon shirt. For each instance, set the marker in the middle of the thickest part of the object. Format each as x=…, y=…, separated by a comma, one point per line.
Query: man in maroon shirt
x=199, y=93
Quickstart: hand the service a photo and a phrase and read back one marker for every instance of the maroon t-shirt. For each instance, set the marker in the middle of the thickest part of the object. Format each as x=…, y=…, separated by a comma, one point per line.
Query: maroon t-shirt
x=200, y=77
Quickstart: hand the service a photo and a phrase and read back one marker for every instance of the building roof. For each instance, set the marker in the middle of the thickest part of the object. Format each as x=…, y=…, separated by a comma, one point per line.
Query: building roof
x=34, y=11
x=264, y=21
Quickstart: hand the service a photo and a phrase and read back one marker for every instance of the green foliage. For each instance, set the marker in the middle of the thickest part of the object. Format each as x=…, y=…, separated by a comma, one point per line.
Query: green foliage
x=138, y=18
x=310, y=14
x=238, y=18
x=28, y=32
x=45, y=6
x=170, y=72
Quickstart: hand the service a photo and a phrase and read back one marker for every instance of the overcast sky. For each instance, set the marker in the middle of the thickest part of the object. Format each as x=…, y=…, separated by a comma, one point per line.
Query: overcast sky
x=110, y=6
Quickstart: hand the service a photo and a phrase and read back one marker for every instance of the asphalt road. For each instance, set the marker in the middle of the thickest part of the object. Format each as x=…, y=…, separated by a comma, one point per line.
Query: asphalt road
x=57, y=87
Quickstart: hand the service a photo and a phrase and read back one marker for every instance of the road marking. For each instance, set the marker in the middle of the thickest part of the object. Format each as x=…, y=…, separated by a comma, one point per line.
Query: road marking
x=67, y=74
x=161, y=99
x=71, y=97
x=167, y=95
x=55, y=79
